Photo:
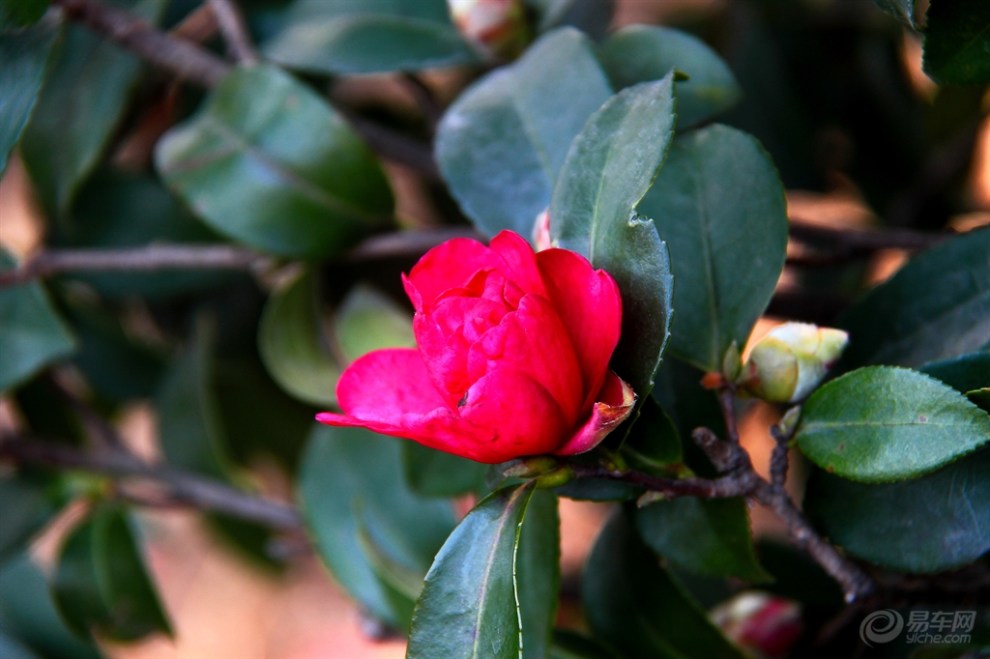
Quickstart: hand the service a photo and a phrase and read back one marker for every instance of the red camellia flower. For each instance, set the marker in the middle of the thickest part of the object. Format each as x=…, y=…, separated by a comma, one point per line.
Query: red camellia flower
x=512, y=357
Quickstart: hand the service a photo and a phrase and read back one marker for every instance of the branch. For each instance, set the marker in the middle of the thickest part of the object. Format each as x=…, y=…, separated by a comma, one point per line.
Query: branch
x=185, y=60
x=235, y=32
x=180, y=487
x=138, y=259
x=864, y=239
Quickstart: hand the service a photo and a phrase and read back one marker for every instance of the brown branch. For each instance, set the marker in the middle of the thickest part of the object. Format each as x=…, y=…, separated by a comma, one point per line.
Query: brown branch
x=178, y=486
x=138, y=259
x=864, y=239
x=406, y=243
x=234, y=30
x=185, y=60
x=779, y=462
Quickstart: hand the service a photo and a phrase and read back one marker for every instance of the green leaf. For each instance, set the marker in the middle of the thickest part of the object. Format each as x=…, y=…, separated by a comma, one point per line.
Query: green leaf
x=101, y=583
x=27, y=611
x=94, y=78
x=491, y=591
x=720, y=208
x=609, y=168
x=711, y=537
x=938, y=522
x=25, y=55
x=351, y=479
x=267, y=162
x=882, y=423
x=432, y=473
x=28, y=506
x=681, y=396
x=19, y=13
x=292, y=346
x=639, y=53
x=31, y=334
x=964, y=373
x=368, y=320
x=637, y=608
x=569, y=645
x=957, y=42
x=934, y=308
x=369, y=36
x=502, y=143
x=590, y=16
x=11, y=648
x=653, y=443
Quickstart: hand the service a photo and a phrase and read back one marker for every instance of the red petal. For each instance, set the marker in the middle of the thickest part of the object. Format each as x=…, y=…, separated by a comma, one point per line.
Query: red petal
x=534, y=341
x=589, y=304
x=616, y=402
x=517, y=415
x=449, y=265
x=520, y=262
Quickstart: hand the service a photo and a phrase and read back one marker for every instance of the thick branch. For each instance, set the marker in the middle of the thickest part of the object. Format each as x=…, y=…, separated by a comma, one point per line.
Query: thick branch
x=185, y=60
x=179, y=486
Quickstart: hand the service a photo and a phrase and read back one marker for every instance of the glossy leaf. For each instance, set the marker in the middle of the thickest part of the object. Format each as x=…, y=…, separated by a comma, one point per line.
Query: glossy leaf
x=609, y=168
x=934, y=523
x=267, y=162
x=957, y=42
x=711, y=537
x=720, y=207
x=434, y=473
x=352, y=479
x=19, y=13
x=28, y=506
x=491, y=591
x=653, y=443
x=502, y=143
x=292, y=345
x=882, y=423
x=31, y=334
x=639, y=53
x=934, y=308
x=95, y=78
x=25, y=55
x=635, y=606
x=964, y=373
x=373, y=36
x=368, y=320
x=28, y=612
x=101, y=583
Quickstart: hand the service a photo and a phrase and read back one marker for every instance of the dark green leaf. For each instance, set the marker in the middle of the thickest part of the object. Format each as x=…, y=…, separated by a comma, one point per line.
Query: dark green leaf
x=437, y=474
x=11, y=648
x=101, y=583
x=681, y=396
x=609, y=168
x=267, y=162
x=708, y=537
x=31, y=334
x=27, y=611
x=957, y=42
x=590, y=16
x=937, y=522
x=902, y=9
x=633, y=604
x=969, y=374
x=367, y=320
x=569, y=645
x=374, y=36
x=599, y=489
x=934, y=308
x=292, y=345
x=18, y=13
x=796, y=576
x=352, y=479
x=501, y=145
x=720, y=207
x=25, y=56
x=653, y=443
x=882, y=423
x=491, y=591
x=83, y=100
x=980, y=397
x=639, y=53
x=28, y=506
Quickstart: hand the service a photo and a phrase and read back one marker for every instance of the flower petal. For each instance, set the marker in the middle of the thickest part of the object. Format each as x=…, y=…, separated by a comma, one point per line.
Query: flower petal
x=589, y=304
x=616, y=402
x=449, y=265
x=520, y=262
x=519, y=416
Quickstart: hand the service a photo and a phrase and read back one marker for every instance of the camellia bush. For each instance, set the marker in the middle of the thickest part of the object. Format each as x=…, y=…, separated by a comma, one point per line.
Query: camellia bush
x=444, y=265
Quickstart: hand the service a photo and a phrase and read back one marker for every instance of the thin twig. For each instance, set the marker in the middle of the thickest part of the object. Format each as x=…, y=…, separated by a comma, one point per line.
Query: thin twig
x=179, y=486
x=185, y=60
x=726, y=400
x=864, y=239
x=410, y=244
x=705, y=488
x=136, y=259
x=235, y=32
x=779, y=462
x=425, y=98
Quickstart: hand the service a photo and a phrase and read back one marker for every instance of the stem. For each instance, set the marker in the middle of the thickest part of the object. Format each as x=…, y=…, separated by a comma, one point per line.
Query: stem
x=779, y=463
x=717, y=488
x=864, y=239
x=185, y=60
x=180, y=487
x=139, y=259
x=235, y=32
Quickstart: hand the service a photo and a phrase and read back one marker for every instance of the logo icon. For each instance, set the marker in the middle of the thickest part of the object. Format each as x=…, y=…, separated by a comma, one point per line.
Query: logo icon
x=881, y=627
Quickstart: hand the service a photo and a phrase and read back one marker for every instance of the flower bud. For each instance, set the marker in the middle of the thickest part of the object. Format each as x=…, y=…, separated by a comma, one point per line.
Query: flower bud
x=759, y=622
x=498, y=26
x=791, y=360
x=541, y=231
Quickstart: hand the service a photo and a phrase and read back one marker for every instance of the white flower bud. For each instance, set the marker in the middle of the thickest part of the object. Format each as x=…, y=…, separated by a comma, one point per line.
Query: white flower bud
x=791, y=360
